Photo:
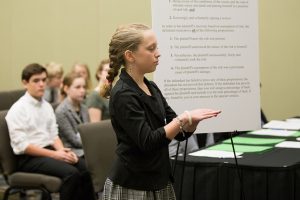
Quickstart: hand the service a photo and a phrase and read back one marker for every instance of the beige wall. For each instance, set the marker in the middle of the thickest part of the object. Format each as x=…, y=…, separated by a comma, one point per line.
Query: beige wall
x=77, y=30
x=279, y=57
x=62, y=31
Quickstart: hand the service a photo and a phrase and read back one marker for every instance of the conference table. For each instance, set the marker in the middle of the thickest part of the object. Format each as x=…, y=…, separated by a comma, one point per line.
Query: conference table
x=273, y=174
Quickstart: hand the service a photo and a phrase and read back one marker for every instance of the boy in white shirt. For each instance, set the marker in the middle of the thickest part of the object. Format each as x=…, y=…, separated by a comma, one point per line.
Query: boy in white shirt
x=34, y=138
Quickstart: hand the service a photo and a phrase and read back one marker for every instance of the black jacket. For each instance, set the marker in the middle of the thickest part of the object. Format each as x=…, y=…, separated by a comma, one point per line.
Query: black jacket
x=138, y=120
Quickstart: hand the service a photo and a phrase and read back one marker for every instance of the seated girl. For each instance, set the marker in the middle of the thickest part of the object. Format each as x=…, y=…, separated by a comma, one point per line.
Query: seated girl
x=97, y=104
x=71, y=112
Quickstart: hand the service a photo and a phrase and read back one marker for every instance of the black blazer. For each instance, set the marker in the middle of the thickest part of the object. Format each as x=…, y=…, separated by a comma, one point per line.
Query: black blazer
x=138, y=120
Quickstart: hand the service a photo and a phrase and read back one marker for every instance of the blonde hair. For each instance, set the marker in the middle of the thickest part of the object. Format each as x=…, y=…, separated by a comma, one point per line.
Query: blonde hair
x=88, y=79
x=54, y=70
x=100, y=67
x=126, y=37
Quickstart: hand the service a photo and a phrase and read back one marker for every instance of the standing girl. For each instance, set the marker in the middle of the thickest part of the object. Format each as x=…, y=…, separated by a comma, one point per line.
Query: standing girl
x=142, y=119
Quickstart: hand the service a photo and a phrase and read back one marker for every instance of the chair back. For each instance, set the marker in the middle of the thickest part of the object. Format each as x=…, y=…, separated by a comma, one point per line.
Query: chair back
x=8, y=98
x=7, y=157
x=99, y=144
x=21, y=181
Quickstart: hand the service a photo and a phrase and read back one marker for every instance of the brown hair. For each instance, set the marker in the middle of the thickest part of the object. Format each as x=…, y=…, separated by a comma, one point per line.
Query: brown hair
x=100, y=67
x=127, y=37
x=68, y=80
x=32, y=69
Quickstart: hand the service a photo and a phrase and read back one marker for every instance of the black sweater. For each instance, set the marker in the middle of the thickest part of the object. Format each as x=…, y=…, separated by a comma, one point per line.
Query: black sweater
x=138, y=119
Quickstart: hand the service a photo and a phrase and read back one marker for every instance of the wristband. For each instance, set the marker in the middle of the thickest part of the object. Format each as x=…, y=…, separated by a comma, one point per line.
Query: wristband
x=180, y=122
x=189, y=117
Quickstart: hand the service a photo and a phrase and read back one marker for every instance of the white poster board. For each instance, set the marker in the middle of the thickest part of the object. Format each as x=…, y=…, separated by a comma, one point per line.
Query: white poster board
x=210, y=59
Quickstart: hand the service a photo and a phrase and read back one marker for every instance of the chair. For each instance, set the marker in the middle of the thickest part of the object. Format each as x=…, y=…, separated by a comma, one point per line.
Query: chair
x=19, y=182
x=99, y=144
x=8, y=98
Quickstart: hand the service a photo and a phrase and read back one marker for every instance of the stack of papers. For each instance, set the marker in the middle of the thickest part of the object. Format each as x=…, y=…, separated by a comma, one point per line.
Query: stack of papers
x=272, y=132
x=295, y=120
x=282, y=125
x=216, y=154
x=289, y=144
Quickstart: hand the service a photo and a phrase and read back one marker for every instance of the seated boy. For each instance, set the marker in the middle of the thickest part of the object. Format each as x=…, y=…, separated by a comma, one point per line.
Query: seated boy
x=34, y=138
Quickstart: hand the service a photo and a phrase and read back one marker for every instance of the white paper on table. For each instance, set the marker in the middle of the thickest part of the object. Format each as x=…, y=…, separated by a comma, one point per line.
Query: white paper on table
x=288, y=144
x=293, y=120
x=283, y=125
x=273, y=132
x=215, y=154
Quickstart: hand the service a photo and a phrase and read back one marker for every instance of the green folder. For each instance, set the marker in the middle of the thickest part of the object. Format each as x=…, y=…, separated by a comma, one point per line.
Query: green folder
x=297, y=134
x=254, y=141
x=240, y=148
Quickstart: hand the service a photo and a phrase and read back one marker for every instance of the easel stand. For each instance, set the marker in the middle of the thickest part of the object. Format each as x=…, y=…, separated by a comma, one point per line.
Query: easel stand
x=237, y=166
x=183, y=166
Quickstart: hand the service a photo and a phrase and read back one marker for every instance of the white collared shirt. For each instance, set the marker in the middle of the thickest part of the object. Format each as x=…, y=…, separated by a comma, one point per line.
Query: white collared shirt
x=31, y=121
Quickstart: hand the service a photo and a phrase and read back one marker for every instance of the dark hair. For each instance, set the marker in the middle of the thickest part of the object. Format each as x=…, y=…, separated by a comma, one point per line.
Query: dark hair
x=127, y=37
x=32, y=69
x=100, y=67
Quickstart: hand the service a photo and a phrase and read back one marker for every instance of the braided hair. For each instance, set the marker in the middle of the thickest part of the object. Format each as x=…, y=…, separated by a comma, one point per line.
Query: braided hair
x=127, y=37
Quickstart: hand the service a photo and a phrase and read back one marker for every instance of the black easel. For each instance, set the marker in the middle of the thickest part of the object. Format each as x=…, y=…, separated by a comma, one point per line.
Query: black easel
x=182, y=171
x=183, y=165
x=237, y=166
